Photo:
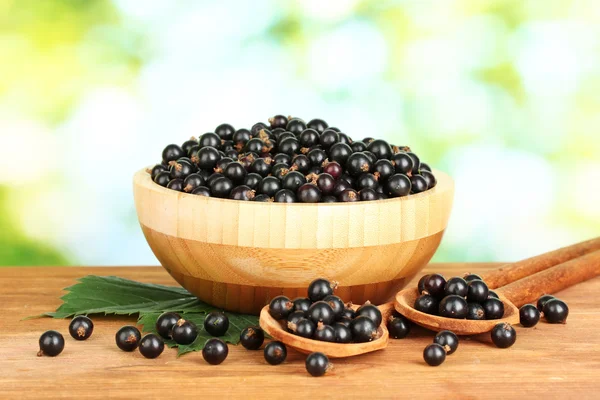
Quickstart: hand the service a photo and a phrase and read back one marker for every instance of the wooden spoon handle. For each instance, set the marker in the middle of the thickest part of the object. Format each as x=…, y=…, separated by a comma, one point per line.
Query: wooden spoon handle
x=513, y=272
x=552, y=280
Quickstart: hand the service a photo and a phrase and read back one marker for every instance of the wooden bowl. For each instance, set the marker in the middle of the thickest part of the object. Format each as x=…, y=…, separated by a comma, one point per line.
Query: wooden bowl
x=238, y=255
x=333, y=350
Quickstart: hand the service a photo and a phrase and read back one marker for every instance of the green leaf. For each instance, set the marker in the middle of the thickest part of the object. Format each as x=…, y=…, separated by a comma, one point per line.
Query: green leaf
x=114, y=295
x=237, y=323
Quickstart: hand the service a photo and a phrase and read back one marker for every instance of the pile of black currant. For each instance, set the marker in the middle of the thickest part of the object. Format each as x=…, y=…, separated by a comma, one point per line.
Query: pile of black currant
x=290, y=161
x=554, y=310
x=324, y=316
x=444, y=343
x=458, y=298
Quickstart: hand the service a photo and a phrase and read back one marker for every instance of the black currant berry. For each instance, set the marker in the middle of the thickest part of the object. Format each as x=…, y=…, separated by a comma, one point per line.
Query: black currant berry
x=317, y=124
x=346, y=321
x=209, y=139
x=434, y=354
x=398, y=185
x=51, y=344
x=472, y=277
x=403, y=163
x=317, y=364
x=453, y=306
x=157, y=169
x=151, y=346
x=216, y=323
x=171, y=153
x=320, y=288
x=295, y=317
x=262, y=166
x=242, y=192
x=252, y=337
x=252, y=180
x=477, y=291
x=188, y=145
x=285, y=196
x=416, y=163
x=179, y=169
x=493, y=294
x=280, y=307
x=304, y=328
x=201, y=191
x=368, y=195
x=324, y=333
x=225, y=131
x=457, y=286
x=357, y=164
x=128, y=338
x=316, y=157
x=418, y=184
x=358, y=146
x=325, y=183
x=279, y=170
x=300, y=163
x=184, y=332
x=308, y=138
x=340, y=152
x=367, y=181
x=262, y=198
x=504, y=335
x=475, y=312
x=278, y=121
x=235, y=172
x=321, y=311
x=301, y=304
x=269, y=186
x=175, y=184
x=421, y=284
x=349, y=312
x=241, y=137
x=348, y=196
x=165, y=323
x=336, y=304
x=215, y=351
x=344, y=138
x=529, y=315
x=494, y=308
x=163, y=178
x=207, y=158
x=309, y=193
x=398, y=326
x=295, y=125
x=328, y=199
x=435, y=285
x=328, y=138
x=543, y=300
x=275, y=353
x=332, y=168
x=556, y=311
x=81, y=327
x=427, y=304
x=192, y=182
x=383, y=169
x=425, y=167
x=289, y=146
x=448, y=340
x=221, y=187
x=429, y=178
x=342, y=332
x=370, y=311
x=363, y=329
x=381, y=149
x=254, y=145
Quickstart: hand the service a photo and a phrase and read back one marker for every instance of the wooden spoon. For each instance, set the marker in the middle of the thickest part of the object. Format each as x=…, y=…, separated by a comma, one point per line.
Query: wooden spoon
x=333, y=350
x=513, y=295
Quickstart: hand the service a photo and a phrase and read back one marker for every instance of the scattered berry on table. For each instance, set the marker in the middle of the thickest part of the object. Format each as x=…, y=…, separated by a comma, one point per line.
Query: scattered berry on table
x=81, y=327
x=542, y=300
x=398, y=326
x=434, y=354
x=448, y=340
x=215, y=351
x=556, y=311
x=317, y=364
x=151, y=346
x=184, y=332
x=529, y=315
x=504, y=335
x=252, y=337
x=216, y=323
x=128, y=338
x=51, y=344
x=165, y=323
x=275, y=353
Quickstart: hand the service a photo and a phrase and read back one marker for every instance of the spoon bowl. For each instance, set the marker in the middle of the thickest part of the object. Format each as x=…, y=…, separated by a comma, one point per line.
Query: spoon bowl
x=333, y=350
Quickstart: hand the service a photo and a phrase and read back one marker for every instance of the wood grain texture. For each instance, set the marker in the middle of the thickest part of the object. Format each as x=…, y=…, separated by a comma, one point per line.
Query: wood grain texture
x=548, y=361
x=237, y=255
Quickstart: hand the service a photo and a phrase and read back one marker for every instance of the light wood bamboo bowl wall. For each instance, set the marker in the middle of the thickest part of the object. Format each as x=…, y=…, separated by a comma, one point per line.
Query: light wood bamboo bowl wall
x=238, y=255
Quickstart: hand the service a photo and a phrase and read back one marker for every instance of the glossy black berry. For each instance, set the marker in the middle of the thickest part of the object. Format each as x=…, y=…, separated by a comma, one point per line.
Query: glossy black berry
x=416, y=163
x=278, y=121
x=358, y=146
x=209, y=139
x=556, y=311
x=184, y=332
x=493, y=294
x=262, y=166
x=370, y=311
x=425, y=167
x=301, y=304
x=529, y=315
x=398, y=326
x=421, y=284
x=363, y=329
x=342, y=332
x=434, y=354
x=475, y=311
x=383, y=169
x=453, y=306
x=216, y=323
x=192, y=182
x=344, y=138
x=427, y=304
x=157, y=169
x=242, y=192
x=252, y=180
x=328, y=199
x=151, y=346
x=262, y=198
x=201, y=191
x=304, y=328
x=289, y=146
x=221, y=187
x=179, y=169
x=207, y=158
x=340, y=152
x=317, y=364
x=457, y=286
x=319, y=289
x=235, y=172
x=321, y=311
x=324, y=333
x=494, y=308
x=175, y=184
x=252, y=337
x=300, y=163
x=172, y=152
x=241, y=137
x=325, y=183
x=398, y=185
x=81, y=327
x=281, y=158
x=435, y=285
x=336, y=304
x=346, y=321
x=332, y=168
x=279, y=170
x=215, y=351
x=295, y=317
x=280, y=307
x=349, y=312
x=403, y=163
x=285, y=196
x=269, y=186
x=309, y=193
x=293, y=180
x=358, y=163
x=317, y=124
x=165, y=323
x=51, y=344
x=472, y=277
x=543, y=300
x=477, y=291
x=429, y=179
x=504, y=335
x=380, y=148
x=225, y=131
x=275, y=353
x=418, y=184
x=163, y=178
x=316, y=157
x=328, y=138
x=128, y=338
x=448, y=340
x=189, y=145
x=295, y=125
x=308, y=138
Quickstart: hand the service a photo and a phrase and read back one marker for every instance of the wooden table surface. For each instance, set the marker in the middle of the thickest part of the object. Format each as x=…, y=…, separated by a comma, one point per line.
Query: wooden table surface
x=554, y=361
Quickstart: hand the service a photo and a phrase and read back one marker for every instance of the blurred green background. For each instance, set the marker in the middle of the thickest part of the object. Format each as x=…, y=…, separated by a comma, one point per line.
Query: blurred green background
x=502, y=94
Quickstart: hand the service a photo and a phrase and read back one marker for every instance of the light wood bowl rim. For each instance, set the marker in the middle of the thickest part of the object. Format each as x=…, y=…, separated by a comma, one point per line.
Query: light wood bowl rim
x=333, y=350
x=404, y=305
